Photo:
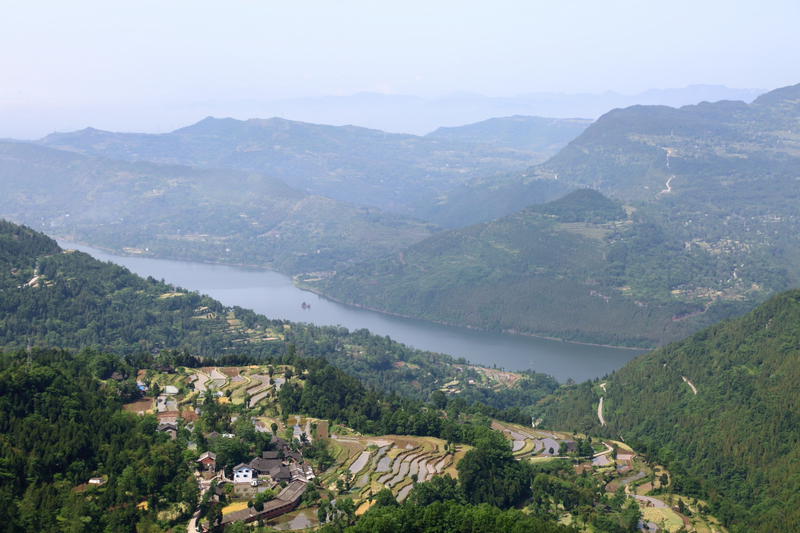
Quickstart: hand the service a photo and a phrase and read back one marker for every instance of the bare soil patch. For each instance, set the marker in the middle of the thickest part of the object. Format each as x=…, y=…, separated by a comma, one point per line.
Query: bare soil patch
x=140, y=406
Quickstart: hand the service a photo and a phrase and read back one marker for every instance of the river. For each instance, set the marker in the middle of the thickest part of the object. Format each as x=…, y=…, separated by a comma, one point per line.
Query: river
x=272, y=294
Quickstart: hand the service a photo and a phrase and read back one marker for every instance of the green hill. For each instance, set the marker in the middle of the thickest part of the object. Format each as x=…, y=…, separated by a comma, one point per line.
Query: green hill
x=360, y=165
x=738, y=433
x=577, y=269
x=222, y=216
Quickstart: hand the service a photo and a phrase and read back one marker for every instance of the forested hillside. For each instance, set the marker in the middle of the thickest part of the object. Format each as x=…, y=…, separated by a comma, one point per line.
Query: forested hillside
x=736, y=437
x=59, y=426
x=221, y=216
x=578, y=268
x=710, y=147
x=67, y=299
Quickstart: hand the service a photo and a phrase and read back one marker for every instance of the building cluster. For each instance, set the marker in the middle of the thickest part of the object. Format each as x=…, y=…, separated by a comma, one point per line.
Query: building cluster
x=281, y=469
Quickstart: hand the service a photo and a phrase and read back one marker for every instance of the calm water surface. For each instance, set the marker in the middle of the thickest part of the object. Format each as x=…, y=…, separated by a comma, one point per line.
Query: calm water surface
x=272, y=294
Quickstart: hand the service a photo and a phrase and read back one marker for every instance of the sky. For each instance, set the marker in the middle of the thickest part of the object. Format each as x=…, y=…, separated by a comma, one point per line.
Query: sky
x=107, y=57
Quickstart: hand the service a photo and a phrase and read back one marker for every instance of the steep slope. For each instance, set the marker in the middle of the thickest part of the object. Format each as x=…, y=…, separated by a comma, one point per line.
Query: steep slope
x=577, y=268
x=177, y=211
x=360, y=165
x=722, y=402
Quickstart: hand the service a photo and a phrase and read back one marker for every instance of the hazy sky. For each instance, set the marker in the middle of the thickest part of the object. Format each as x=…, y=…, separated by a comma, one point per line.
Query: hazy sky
x=117, y=53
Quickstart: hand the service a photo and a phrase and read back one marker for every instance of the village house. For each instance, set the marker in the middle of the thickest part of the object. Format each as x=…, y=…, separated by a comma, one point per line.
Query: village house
x=242, y=473
x=209, y=461
x=286, y=501
x=169, y=428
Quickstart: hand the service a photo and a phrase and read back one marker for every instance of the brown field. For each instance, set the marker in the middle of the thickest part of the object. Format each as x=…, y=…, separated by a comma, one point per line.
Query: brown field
x=230, y=371
x=143, y=405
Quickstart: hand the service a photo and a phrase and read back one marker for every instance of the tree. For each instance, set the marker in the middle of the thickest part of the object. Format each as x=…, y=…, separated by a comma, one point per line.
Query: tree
x=439, y=399
x=214, y=514
x=562, y=449
x=346, y=508
x=385, y=498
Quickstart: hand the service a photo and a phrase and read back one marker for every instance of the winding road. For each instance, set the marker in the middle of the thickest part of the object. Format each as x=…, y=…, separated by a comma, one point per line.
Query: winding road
x=668, y=189
x=688, y=382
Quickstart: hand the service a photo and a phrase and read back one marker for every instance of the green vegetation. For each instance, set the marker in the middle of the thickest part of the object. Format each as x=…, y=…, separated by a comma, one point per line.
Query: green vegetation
x=76, y=301
x=223, y=216
x=59, y=426
x=606, y=283
x=733, y=441
x=583, y=205
x=61, y=416
x=487, y=198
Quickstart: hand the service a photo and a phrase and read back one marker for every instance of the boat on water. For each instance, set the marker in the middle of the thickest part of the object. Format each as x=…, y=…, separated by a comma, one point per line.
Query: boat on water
x=305, y=305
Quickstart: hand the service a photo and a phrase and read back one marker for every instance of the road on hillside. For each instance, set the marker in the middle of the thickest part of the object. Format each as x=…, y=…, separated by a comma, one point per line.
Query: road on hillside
x=600, y=413
x=655, y=502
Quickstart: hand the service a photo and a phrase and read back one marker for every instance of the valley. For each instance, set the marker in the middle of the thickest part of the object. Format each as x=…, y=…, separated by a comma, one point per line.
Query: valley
x=653, y=228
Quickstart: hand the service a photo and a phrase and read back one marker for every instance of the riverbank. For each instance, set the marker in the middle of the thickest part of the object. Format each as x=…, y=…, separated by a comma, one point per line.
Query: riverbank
x=273, y=294
x=308, y=288
x=304, y=287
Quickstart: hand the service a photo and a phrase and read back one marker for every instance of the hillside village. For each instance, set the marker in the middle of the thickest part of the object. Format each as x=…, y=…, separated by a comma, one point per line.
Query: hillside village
x=262, y=467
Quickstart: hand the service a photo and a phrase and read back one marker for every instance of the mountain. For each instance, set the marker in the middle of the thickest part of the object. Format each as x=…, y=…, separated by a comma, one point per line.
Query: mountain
x=93, y=330
x=536, y=134
x=711, y=193
x=720, y=406
x=709, y=148
x=578, y=268
x=177, y=211
x=360, y=165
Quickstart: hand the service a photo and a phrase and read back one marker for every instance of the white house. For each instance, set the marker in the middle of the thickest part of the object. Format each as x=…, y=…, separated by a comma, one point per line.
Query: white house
x=242, y=473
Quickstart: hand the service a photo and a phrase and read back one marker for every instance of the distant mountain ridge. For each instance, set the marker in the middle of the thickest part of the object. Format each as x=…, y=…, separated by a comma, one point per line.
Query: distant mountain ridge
x=544, y=135
x=632, y=152
x=215, y=215
x=389, y=112
x=349, y=163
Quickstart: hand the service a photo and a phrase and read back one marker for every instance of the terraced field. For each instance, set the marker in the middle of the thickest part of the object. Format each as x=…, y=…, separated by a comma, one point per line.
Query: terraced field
x=529, y=443
x=370, y=464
